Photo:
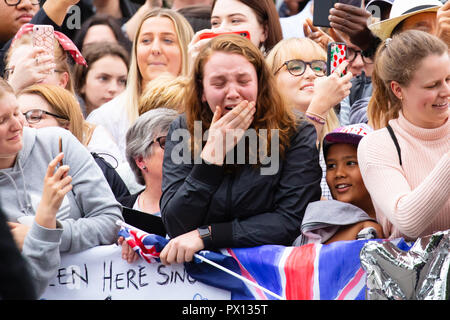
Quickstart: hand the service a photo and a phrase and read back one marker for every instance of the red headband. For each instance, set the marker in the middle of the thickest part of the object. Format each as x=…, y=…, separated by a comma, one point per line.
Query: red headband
x=63, y=40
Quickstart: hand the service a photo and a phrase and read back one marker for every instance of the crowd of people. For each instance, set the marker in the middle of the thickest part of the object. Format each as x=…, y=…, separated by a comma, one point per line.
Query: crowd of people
x=230, y=140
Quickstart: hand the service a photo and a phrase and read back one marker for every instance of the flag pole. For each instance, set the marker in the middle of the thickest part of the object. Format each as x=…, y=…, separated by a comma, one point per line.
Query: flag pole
x=234, y=274
x=218, y=266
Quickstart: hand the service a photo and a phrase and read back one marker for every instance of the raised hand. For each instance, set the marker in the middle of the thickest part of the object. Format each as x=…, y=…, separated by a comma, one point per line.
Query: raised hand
x=338, y=86
x=32, y=68
x=226, y=131
x=56, y=186
x=443, y=23
x=352, y=21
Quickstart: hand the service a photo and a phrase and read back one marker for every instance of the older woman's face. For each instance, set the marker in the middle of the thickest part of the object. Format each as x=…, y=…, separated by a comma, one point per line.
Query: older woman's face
x=233, y=15
x=229, y=79
x=158, y=49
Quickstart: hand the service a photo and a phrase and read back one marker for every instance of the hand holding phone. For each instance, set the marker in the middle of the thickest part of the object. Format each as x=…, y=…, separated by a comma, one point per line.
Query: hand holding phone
x=60, y=150
x=336, y=54
x=322, y=11
x=43, y=37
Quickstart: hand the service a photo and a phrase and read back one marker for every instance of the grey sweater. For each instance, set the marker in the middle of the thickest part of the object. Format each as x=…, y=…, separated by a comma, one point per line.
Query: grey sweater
x=324, y=218
x=87, y=214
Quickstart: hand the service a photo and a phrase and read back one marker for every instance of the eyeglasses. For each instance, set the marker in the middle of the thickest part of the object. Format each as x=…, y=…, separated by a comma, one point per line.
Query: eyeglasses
x=16, y=2
x=9, y=72
x=297, y=67
x=161, y=140
x=35, y=115
x=351, y=56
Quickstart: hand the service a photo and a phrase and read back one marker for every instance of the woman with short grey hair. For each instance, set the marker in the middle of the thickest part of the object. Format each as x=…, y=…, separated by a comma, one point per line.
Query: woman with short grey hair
x=145, y=141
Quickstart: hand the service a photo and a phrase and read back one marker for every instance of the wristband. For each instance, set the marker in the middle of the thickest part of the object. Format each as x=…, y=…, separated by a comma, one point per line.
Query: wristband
x=315, y=119
x=205, y=235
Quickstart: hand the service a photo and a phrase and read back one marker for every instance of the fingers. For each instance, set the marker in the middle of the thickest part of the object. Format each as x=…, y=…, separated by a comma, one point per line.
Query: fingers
x=13, y=225
x=52, y=165
x=128, y=253
x=341, y=68
x=242, y=115
x=176, y=252
x=353, y=11
x=446, y=6
x=217, y=114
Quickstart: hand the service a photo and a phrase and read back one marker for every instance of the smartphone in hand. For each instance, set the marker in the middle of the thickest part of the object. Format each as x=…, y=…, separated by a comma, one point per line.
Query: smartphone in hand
x=322, y=10
x=44, y=37
x=60, y=150
x=336, y=54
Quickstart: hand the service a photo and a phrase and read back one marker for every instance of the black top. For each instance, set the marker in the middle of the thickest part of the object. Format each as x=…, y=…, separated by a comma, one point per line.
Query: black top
x=15, y=280
x=244, y=208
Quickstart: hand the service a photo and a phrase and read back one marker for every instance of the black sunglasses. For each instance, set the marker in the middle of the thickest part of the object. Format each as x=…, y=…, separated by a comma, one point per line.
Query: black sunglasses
x=352, y=54
x=35, y=115
x=297, y=67
x=161, y=140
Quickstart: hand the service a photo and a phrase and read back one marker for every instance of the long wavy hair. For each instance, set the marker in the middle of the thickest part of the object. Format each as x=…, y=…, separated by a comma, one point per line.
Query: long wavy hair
x=271, y=111
x=134, y=87
x=397, y=59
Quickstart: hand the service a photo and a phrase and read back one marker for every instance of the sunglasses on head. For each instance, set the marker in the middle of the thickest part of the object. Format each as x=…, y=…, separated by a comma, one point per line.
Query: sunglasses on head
x=297, y=67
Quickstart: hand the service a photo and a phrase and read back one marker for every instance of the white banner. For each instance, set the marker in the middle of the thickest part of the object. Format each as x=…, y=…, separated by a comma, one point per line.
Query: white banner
x=101, y=273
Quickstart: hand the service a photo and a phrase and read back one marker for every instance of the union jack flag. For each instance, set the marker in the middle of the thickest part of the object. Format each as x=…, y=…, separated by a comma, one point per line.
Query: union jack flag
x=148, y=246
x=309, y=272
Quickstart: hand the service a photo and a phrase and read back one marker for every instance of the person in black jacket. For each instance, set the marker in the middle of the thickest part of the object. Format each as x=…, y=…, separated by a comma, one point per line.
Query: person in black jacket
x=214, y=197
x=15, y=278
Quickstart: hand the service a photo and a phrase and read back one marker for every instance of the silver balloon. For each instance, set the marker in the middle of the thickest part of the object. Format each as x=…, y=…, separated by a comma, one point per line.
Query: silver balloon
x=422, y=273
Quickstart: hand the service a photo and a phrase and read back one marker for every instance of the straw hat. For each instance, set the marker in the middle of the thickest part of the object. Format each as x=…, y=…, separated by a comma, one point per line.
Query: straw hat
x=402, y=9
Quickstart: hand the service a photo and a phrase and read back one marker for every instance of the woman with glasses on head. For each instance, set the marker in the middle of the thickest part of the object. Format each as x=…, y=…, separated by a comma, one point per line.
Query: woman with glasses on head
x=300, y=70
x=52, y=106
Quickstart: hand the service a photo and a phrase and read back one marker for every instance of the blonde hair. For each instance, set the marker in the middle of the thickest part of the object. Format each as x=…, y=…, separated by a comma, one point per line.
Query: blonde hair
x=165, y=91
x=64, y=104
x=134, y=83
x=397, y=59
x=298, y=48
x=61, y=57
x=5, y=87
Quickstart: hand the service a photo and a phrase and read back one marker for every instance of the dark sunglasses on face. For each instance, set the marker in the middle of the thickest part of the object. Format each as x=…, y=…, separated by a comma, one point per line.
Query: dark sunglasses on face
x=297, y=67
x=161, y=140
x=352, y=54
x=35, y=115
